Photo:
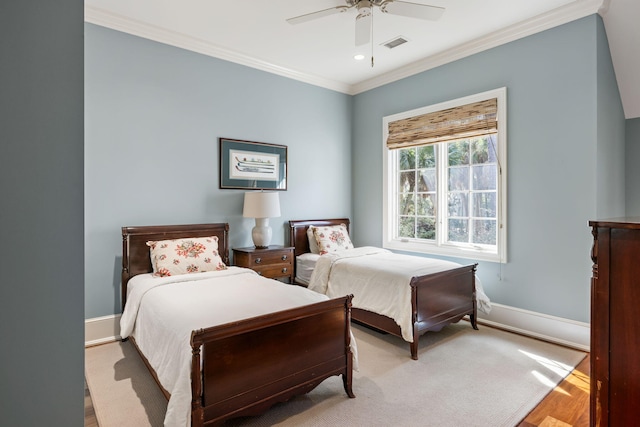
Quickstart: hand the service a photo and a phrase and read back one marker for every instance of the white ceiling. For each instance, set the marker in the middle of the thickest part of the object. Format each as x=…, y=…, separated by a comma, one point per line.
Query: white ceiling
x=255, y=33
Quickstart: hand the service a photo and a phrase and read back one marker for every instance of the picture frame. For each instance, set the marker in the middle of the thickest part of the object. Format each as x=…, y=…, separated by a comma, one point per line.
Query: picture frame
x=252, y=165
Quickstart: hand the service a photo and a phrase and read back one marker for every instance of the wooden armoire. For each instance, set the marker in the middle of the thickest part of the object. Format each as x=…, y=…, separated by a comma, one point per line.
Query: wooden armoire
x=615, y=323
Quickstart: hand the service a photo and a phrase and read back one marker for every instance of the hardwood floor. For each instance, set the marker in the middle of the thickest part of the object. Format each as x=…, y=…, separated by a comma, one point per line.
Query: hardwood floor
x=89, y=413
x=567, y=405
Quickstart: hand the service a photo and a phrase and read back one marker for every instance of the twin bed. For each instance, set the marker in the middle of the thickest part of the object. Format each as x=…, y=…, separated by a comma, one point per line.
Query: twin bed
x=257, y=341
x=438, y=292
x=257, y=355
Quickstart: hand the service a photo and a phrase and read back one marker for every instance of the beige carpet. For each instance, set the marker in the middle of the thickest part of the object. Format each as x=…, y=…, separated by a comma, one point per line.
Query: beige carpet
x=463, y=378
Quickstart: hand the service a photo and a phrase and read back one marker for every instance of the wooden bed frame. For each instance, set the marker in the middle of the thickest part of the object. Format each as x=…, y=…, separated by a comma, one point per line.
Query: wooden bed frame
x=437, y=299
x=247, y=366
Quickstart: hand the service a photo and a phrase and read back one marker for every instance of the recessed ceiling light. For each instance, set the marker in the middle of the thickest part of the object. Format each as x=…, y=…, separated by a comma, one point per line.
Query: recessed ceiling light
x=359, y=57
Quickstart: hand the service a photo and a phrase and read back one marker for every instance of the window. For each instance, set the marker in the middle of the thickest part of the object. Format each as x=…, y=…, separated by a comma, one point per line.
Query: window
x=445, y=175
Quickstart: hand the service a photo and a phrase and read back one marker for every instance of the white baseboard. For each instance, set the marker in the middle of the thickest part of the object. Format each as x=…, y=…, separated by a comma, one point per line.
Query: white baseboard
x=101, y=330
x=557, y=330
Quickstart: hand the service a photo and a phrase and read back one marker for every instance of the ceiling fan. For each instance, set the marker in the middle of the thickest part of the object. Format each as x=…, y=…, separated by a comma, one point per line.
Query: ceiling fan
x=363, y=20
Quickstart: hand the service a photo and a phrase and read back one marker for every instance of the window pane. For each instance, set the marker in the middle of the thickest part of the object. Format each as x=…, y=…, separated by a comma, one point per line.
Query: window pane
x=407, y=204
x=426, y=228
x=484, y=150
x=492, y=143
x=458, y=204
x=459, y=230
x=407, y=182
x=426, y=157
x=426, y=205
x=484, y=232
x=480, y=151
x=427, y=180
x=458, y=153
x=484, y=177
x=484, y=205
x=407, y=227
x=407, y=159
x=459, y=178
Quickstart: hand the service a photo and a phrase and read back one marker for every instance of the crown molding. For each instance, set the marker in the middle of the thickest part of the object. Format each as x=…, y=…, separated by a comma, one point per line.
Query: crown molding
x=562, y=15
x=121, y=23
x=604, y=8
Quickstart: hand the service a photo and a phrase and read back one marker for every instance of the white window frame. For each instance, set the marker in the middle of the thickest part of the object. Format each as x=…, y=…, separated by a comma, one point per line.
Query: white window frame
x=390, y=186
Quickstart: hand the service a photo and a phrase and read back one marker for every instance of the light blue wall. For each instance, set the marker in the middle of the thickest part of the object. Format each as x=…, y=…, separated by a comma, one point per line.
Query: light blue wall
x=553, y=89
x=153, y=116
x=632, y=175
x=610, y=153
x=41, y=214
x=154, y=111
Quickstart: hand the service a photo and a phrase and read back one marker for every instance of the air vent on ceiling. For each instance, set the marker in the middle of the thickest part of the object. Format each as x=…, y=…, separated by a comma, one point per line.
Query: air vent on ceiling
x=395, y=42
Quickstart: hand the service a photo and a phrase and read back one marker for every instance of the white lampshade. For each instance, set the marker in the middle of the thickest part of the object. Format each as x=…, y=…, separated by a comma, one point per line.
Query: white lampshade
x=261, y=204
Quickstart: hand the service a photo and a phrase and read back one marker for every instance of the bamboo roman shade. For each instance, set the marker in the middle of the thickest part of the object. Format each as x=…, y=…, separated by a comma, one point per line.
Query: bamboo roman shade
x=465, y=121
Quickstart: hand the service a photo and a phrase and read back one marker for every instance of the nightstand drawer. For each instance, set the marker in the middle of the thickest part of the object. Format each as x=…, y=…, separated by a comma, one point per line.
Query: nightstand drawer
x=274, y=271
x=272, y=257
x=275, y=262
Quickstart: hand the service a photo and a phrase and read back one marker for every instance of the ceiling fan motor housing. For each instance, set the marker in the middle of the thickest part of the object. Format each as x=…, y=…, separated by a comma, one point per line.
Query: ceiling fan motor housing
x=352, y=3
x=364, y=9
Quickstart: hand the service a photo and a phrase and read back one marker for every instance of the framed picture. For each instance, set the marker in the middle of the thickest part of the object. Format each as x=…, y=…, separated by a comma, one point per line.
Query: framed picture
x=252, y=165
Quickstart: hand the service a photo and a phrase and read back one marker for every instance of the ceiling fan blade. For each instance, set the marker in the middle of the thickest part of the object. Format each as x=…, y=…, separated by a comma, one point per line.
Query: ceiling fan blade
x=316, y=15
x=363, y=29
x=412, y=10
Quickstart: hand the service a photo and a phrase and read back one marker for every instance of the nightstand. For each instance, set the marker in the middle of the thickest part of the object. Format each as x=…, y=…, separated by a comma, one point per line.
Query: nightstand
x=275, y=262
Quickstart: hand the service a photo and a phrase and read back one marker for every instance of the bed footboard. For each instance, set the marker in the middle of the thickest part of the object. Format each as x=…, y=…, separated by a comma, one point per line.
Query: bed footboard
x=437, y=300
x=441, y=299
x=249, y=365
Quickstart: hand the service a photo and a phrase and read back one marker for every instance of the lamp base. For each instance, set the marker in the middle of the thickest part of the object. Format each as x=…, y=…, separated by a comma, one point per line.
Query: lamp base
x=261, y=233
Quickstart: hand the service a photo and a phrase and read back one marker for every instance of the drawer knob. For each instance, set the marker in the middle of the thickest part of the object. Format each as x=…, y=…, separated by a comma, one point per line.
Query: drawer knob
x=284, y=257
x=258, y=260
x=284, y=270
x=259, y=273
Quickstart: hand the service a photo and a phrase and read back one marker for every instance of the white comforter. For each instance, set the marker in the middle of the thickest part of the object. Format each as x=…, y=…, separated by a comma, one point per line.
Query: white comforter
x=161, y=312
x=379, y=280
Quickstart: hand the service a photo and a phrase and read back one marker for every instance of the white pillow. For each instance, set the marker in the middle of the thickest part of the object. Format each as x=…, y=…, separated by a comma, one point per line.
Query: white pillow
x=313, y=244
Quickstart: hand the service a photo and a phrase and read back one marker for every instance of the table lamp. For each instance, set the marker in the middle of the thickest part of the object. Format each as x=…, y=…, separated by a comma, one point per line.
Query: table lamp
x=261, y=206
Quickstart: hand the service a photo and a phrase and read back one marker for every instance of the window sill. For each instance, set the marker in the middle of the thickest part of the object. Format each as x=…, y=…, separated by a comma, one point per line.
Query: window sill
x=449, y=251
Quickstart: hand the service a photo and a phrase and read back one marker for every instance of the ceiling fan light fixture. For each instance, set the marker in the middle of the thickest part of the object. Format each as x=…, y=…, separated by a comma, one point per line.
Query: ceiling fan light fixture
x=358, y=57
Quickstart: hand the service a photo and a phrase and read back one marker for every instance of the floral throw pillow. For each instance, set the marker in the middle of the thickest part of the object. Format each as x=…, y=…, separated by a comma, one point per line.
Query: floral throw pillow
x=332, y=238
x=185, y=256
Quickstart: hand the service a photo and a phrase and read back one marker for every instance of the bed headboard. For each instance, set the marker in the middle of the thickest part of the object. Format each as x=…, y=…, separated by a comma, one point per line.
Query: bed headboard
x=135, y=252
x=298, y=231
